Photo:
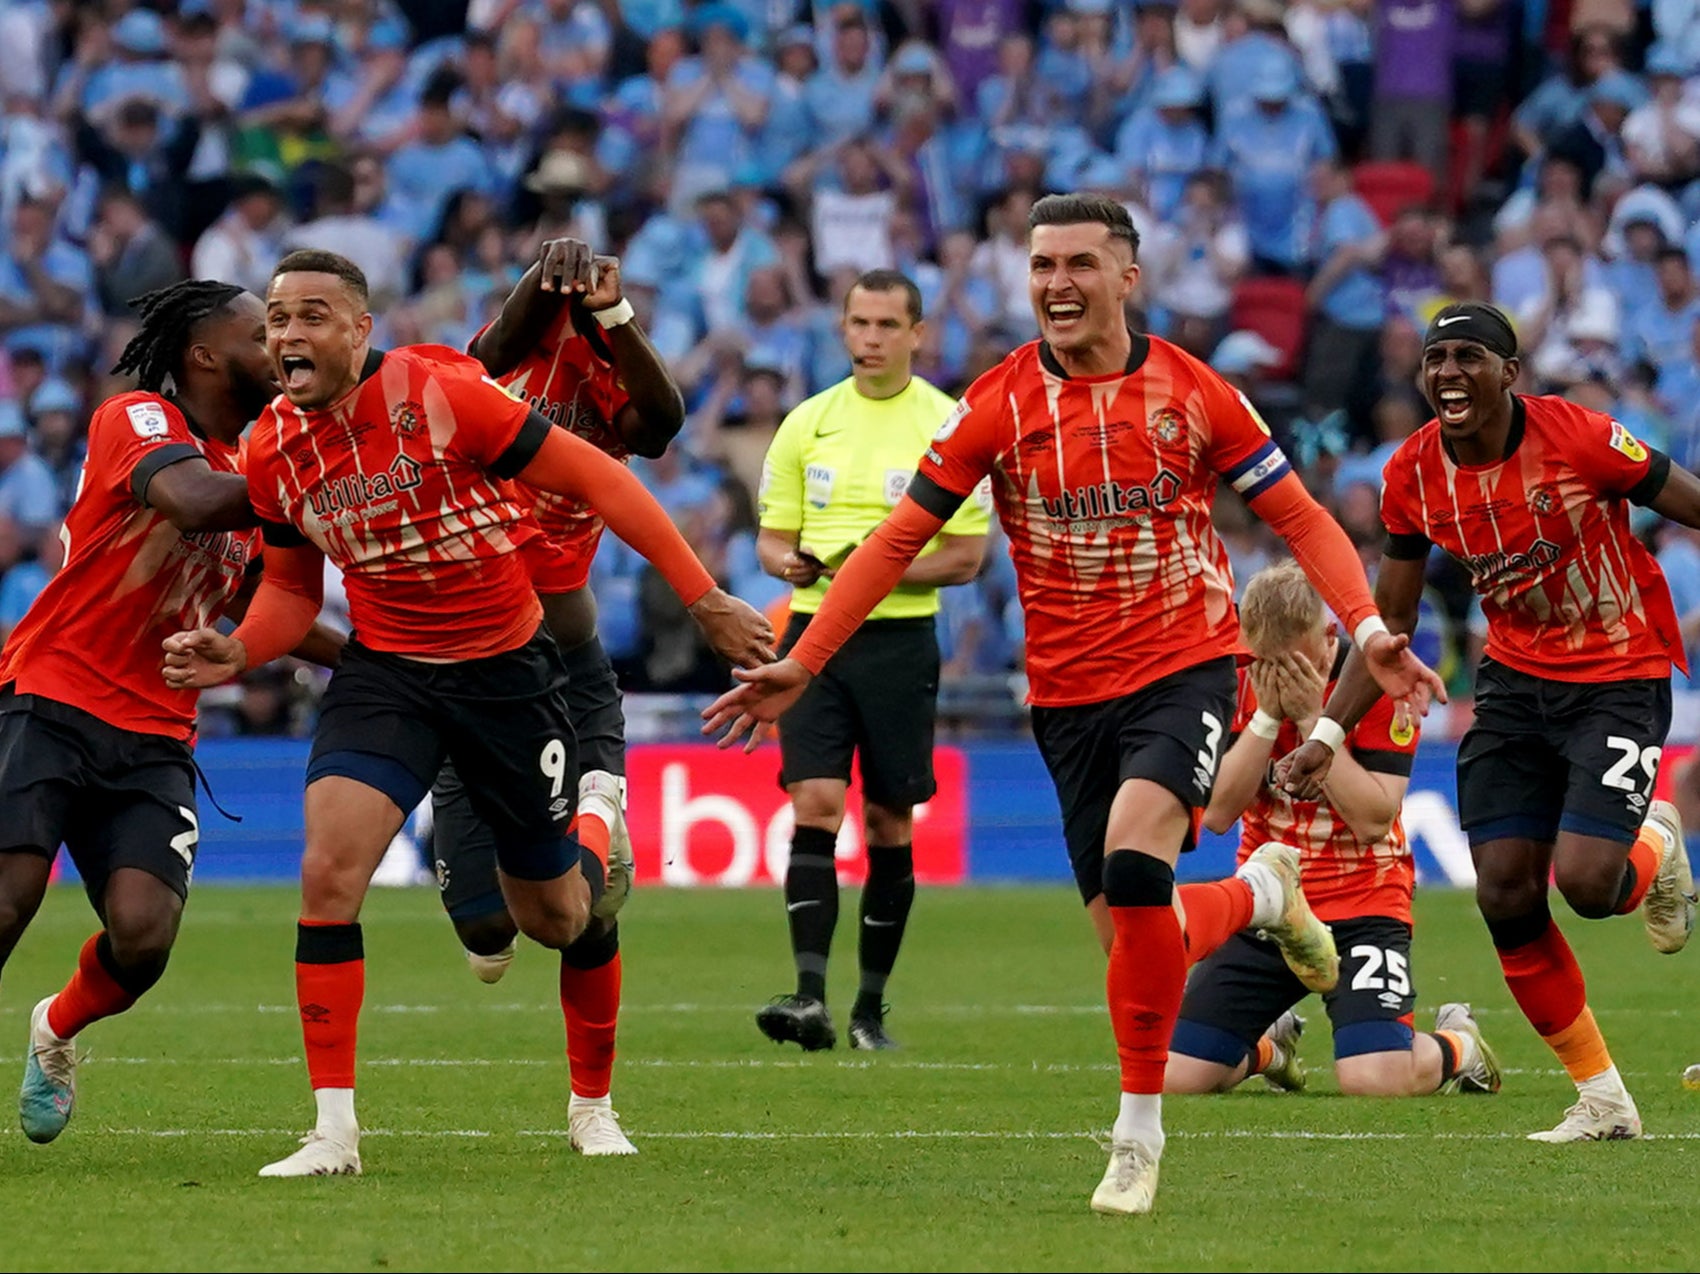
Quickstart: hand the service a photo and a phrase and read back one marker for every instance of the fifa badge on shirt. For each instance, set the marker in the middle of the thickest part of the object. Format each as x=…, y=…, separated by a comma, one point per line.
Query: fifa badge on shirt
x=817, y=485
x=1626, y=442
x=148, y=420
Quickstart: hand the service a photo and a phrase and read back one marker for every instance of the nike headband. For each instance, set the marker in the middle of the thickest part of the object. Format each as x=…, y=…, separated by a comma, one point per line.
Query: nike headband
x=1474, y=321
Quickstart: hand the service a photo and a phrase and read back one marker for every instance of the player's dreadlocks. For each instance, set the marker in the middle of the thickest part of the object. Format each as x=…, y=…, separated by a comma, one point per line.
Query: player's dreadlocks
x=168, y=316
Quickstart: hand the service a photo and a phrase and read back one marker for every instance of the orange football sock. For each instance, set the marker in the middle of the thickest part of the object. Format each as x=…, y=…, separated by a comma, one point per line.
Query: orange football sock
x=330, y=986
x=1547, y=984
x=1644, y=857
x=1146, y=978
x=1265, y=1055
x=590, y=1003
x=1215, y=911
x=593, y=834
x=91, y=994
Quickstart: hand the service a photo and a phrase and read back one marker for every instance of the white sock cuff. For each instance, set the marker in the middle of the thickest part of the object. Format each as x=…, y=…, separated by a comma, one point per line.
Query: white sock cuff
x=1266, y=893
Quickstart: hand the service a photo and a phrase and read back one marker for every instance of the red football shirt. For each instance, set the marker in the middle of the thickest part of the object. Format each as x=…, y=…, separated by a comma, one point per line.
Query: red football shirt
x=1104, y=486
x=131, y=579
x=572, y=382
x=1344, y=877
x=395, y=484
x=1569, y=593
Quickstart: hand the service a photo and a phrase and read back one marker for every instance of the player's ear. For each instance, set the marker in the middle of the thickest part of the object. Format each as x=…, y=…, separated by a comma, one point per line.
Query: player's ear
x=1130, y=278
x=200, y=355
x=363, y=325
x=1510, y=372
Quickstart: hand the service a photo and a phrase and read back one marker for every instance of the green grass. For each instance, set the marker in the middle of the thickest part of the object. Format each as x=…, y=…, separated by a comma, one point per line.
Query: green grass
x=971, y=1149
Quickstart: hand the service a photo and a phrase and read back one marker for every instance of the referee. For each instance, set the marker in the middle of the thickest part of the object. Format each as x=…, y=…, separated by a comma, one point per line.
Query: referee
x=837, y=466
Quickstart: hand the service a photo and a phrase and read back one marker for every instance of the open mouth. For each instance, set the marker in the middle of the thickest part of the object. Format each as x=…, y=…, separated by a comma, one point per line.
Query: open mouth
x=297, y=373
x=1453, y=406
x=1065, y=313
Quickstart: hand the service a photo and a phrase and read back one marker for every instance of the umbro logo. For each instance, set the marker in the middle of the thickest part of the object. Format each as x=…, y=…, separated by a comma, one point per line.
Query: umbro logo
x=316, y=1014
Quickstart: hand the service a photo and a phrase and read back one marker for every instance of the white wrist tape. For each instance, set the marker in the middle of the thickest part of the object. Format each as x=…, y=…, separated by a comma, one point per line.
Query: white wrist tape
x=1329, y=733
x=617, y=315
x=1263, y=725
x=1369, y=628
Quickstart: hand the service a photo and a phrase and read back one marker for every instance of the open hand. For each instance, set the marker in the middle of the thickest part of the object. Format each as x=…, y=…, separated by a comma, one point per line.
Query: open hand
x=749, y=708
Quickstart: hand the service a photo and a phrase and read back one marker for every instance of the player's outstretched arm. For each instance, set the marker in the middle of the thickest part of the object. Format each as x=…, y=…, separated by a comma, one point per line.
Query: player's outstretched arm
x=1398, y=593
x=656, y=412
x=278, y=621
x=1331, y=564
x=196, y=498
x=867, y=575
x=569, y=466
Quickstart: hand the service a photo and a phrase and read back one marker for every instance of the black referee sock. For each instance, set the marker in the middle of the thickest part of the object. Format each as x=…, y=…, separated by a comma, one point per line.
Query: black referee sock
x=886, y=899
x=811, y=905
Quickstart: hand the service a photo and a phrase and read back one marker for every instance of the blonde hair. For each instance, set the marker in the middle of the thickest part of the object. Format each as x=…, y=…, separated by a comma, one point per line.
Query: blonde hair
x=1279, y=608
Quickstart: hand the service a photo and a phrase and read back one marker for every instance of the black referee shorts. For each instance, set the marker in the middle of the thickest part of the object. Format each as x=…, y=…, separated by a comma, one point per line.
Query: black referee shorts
x=876, y=699
x=391, y=722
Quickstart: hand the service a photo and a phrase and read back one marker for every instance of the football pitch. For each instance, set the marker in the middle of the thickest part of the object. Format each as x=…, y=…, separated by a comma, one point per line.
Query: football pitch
x=975, y=1147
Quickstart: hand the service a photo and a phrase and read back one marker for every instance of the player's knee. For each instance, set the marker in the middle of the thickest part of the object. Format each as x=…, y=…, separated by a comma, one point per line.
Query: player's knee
x=486, y=935
x=1590, y=887
x=1187, y=1075
x=333, y=883
x=556, y=921
x=1377, y=1075
x=140, y=948
x=818, y=804
x=1508, y=897
x=885, y=826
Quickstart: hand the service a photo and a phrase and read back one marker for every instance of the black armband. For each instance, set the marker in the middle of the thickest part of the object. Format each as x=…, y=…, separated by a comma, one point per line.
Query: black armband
x=148, y=467
x=281, y=535
x=525, y=446
x=1407, y=547
x=1653, y=481
x=927, y=493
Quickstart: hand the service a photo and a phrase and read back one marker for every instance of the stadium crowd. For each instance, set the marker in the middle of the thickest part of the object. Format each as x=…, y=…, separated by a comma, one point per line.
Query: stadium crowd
x=1312, y=181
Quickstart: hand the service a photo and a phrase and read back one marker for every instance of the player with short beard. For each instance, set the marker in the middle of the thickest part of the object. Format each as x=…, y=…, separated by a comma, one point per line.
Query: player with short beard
x=94, y=747
x=396, y=466
x=1105, y=447
x=1573, y=698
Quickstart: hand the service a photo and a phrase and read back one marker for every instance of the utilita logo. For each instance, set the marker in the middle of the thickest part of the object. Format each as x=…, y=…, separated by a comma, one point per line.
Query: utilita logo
x=700, y=816
x=359, y=490
x=1541, y=554
x=1110, y=499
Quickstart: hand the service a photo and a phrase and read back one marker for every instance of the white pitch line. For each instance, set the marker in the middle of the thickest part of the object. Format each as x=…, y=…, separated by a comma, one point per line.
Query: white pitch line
x=717, y=1064
x=900, y=1134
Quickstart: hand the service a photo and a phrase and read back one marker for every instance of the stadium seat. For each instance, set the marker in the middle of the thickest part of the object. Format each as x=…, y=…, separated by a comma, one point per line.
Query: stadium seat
x=1275, y=310
x=1388, y=187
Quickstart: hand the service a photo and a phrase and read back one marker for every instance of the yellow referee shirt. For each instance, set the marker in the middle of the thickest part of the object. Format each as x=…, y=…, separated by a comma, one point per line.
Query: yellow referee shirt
x=840, y=463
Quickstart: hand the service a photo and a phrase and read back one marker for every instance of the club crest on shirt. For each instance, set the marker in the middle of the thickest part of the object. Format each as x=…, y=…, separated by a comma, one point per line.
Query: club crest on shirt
x=1166, y=427
x=1625, y=442
x=407, y=417
x=1544, y=501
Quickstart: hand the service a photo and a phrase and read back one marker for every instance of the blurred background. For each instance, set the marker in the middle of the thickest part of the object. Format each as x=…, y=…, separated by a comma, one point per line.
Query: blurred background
x=1311, y=179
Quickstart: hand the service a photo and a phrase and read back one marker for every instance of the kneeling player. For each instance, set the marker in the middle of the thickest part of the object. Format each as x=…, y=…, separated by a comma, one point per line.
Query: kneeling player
x=1357, y=873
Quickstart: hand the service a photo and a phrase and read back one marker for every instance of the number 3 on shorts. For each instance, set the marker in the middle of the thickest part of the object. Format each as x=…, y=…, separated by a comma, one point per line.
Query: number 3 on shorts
x=553, y=763
x=1618, y=776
